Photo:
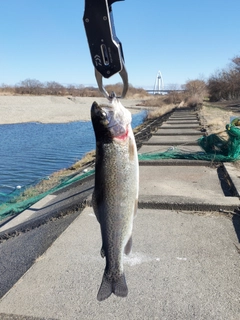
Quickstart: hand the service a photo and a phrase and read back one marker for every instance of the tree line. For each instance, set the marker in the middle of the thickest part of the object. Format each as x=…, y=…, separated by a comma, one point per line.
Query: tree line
x=223, y=85
x=36, y=87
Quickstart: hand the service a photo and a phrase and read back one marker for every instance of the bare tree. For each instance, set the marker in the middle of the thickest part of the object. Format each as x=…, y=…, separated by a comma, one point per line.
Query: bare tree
x=236, y=61
x=29, y=86
x=174, y=96
x=5, y=88
x=54, y=88
x=196, y=87
x=225, y=84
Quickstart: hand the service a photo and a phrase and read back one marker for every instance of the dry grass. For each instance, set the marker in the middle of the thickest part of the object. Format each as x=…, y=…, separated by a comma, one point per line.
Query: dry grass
x=166, y=103
x=132, y=93
x=214, y=119
x=160, y=111
x=85, y=161
x=193, y=100
x=157, y=106
x=34, y=87
x=154, y=101
x=56, y=178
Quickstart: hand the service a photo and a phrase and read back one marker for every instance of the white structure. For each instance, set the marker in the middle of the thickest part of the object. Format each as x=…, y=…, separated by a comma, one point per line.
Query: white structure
x=158, y=86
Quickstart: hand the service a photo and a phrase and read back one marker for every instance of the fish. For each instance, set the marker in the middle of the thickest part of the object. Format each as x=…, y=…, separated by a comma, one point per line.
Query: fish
x=115, y=195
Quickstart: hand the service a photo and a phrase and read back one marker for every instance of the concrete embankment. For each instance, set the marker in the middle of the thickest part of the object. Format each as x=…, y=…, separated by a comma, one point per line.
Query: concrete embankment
x=185, y=259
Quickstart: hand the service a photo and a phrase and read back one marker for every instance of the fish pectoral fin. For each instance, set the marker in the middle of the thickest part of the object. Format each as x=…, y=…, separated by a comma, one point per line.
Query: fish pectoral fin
x=135, y=207
x=128, y=246
x=109, y=286
x=102, y=252
x=94, y=205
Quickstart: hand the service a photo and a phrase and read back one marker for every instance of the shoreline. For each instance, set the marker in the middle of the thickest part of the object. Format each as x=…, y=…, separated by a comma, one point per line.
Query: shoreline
x=87, y=160
x=82, y=166
x=53, y=109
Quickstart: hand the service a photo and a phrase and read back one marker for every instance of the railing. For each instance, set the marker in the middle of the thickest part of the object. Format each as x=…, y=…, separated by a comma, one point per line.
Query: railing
x=164, y=91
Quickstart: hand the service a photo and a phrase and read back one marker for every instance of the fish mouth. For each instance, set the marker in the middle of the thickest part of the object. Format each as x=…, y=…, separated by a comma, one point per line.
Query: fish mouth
x=119, y=132
x=112, y=118
x=119, y=119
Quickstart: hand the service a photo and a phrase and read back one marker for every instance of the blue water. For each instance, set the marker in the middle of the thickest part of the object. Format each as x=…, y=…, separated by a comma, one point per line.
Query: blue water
x=30, y=152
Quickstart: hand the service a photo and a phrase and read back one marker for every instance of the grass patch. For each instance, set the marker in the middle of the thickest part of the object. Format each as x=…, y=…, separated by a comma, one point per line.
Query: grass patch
x=56, y=178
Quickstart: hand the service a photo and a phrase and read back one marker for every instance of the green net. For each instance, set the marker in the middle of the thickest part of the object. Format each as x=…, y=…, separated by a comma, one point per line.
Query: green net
x=226, y=149
x=215, y=148
x=15, y=206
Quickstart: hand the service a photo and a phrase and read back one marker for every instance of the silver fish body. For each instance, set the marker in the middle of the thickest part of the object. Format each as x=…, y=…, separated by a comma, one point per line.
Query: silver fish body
x=115, y=194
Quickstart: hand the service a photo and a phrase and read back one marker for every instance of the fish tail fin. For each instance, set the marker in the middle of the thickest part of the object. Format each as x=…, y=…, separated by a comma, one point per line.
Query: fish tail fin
x=120, y=288
x=109, y=286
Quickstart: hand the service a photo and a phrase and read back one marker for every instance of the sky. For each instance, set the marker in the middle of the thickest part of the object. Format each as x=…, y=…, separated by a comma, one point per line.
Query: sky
x=184, y=39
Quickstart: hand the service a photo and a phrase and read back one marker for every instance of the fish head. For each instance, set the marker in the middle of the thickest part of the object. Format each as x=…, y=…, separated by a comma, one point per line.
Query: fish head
x=110, y=121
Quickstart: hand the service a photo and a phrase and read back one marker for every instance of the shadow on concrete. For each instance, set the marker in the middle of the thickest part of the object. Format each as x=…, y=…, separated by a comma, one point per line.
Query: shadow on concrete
x=19, y=253
x=227, y=188
x=63, y=200
x=69, y=201
x=58, y=203
x=236, y=224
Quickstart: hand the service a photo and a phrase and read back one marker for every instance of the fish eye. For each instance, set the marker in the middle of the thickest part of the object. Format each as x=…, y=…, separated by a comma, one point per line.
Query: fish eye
x=103, y=115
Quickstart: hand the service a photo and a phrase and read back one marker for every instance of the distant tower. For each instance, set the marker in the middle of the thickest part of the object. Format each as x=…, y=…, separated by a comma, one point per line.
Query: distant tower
x=158, y=83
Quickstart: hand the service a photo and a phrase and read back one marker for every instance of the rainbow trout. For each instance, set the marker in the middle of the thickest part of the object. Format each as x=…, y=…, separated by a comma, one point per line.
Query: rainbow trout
x=115, y=195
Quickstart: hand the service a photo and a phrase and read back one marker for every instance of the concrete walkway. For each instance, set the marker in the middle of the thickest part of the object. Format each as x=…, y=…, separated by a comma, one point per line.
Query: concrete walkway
x=185, y=260
x=183, y=266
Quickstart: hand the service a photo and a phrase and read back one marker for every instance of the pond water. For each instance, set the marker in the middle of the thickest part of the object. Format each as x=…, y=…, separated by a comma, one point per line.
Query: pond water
x=29, y=152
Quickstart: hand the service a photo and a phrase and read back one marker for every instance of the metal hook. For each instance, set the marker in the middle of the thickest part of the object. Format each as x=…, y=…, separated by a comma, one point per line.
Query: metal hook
x=124, y=76
x=105, y=48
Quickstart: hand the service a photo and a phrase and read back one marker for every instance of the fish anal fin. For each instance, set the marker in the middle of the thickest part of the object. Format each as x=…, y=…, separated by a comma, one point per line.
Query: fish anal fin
x=109, y=286
x=128, y=246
